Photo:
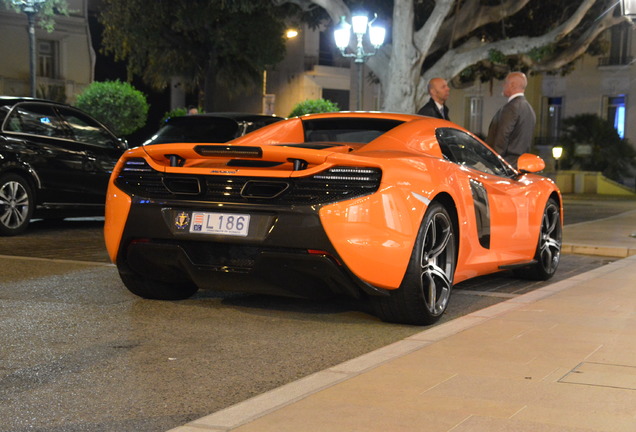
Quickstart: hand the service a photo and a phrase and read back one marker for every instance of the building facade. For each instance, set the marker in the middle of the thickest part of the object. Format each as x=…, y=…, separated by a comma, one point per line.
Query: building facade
x=64, y=57
x=597, y=85
x=314, y=68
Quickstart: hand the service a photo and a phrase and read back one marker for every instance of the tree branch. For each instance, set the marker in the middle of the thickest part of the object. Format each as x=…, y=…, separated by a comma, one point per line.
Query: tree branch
x=579, y=47
x=454, y=61
x=422, y=37
x=470, y=17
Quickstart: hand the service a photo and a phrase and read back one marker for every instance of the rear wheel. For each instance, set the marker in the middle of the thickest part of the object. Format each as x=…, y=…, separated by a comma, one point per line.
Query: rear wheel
x=16, y=204
x=425, y=291
x=156, y=290
x=548, y=252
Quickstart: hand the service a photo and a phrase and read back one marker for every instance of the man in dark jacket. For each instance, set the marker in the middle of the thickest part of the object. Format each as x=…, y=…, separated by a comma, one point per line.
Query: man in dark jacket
x=512, y=128
x=436, y=106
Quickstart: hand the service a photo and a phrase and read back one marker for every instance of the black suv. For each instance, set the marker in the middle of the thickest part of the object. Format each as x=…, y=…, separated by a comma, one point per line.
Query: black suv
x=55, y=161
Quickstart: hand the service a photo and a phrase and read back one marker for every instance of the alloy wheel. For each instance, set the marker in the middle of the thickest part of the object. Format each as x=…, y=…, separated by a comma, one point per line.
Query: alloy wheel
x=437, y=263
x=550, y=243
x=14, y=205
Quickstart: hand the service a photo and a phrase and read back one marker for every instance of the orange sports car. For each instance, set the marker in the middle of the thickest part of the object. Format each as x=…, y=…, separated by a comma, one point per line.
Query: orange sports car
x=392, y=209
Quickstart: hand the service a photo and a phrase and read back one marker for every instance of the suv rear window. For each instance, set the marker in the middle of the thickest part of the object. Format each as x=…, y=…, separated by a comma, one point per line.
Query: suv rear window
x=196, y=129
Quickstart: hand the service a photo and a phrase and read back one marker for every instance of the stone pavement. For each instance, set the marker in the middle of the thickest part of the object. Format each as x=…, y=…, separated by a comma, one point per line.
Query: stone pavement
x=560, y=358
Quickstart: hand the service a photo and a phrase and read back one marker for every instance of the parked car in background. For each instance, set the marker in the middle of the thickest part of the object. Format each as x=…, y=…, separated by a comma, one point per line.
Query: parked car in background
x=211, y=127
x=55, y=161
x=393, y=209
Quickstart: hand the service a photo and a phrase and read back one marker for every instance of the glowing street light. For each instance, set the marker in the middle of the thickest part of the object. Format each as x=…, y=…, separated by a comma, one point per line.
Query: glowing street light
x=30, y=8
x=360, y=25
x=291, y=33
x=557, y=152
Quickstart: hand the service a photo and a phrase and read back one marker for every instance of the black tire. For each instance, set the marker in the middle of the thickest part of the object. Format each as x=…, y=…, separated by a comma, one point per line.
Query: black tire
x=16, y=204
x=156, y=290
x=426, y=288
x=548, y=254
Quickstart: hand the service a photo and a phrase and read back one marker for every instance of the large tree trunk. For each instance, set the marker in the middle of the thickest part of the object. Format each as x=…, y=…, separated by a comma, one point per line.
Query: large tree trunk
x=399, y=84
x=405, y=89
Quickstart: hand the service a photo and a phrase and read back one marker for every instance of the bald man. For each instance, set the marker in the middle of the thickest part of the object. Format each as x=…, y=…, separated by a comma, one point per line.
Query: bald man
x=436, y=105
x=512, y=128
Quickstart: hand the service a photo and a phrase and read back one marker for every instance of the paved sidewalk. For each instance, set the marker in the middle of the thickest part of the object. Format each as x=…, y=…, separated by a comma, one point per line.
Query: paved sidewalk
x=613, y=236
x=560, y=358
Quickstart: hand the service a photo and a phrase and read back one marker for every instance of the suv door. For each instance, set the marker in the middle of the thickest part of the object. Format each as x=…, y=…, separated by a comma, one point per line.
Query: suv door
x=44, y=144
x=100, y=151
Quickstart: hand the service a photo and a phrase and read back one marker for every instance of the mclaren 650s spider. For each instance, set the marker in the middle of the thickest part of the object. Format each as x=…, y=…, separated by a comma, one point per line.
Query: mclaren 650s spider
x=390, y=209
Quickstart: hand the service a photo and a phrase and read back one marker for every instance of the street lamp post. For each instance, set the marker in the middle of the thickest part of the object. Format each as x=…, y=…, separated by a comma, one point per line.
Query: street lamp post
x=360, y=25
x=30, y=8
x=269, y=100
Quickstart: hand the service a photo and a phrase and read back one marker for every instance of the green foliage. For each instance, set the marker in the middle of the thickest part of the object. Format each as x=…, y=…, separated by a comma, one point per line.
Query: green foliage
x=116, y=104
x=314, y=106
x=206, y=43
x=533, y=20
x=46, y=12
x=177, y=112
x=496, y=56
x=539, y=54
x=611, y=154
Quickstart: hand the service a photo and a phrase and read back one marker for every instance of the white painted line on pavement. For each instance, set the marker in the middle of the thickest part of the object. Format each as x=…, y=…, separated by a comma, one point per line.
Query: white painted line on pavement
x=91, y=263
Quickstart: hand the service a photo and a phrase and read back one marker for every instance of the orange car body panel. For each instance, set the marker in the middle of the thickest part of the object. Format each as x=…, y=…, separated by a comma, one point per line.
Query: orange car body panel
x=117, y=208
x=375, y=234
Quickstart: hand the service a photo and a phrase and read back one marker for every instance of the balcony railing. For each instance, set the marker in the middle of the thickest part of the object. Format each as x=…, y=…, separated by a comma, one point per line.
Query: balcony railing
x=615, y=61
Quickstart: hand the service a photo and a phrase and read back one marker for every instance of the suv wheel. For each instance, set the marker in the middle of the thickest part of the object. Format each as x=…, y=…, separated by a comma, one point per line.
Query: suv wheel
x=16, y=204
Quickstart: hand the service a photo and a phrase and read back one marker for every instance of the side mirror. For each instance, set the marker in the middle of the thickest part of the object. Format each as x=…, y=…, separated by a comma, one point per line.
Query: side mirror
x=529, y=163
x=122, y=144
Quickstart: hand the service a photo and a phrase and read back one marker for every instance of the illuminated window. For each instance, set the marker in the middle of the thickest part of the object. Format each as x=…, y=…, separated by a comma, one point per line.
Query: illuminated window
x=616, y=113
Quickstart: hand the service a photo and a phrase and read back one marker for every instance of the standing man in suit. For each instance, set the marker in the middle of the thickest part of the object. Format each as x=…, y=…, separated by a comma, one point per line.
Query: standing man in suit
x=512, y=128
x=436, y=105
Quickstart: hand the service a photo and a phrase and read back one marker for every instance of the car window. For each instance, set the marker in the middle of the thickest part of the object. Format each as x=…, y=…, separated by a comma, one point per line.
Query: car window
x=35, y=119
x=4, y=111
x=347, y=129
x=193, y=129
x=461, y=148
x=85, y=129
x=253, y=124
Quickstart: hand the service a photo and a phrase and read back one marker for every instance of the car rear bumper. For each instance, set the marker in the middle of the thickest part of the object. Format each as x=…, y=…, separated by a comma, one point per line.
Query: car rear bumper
x=286, y=253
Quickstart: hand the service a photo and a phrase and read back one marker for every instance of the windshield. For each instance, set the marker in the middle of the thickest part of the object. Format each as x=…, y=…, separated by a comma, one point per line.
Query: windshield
x=195, y=129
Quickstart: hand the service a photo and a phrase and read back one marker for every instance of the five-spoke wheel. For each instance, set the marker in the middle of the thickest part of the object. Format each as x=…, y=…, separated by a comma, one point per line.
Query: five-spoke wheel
x=425, y=291
x=548, y=252
x=16, y=204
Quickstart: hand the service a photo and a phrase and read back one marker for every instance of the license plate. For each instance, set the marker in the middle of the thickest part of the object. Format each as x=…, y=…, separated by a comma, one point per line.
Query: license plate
x=220, y=223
